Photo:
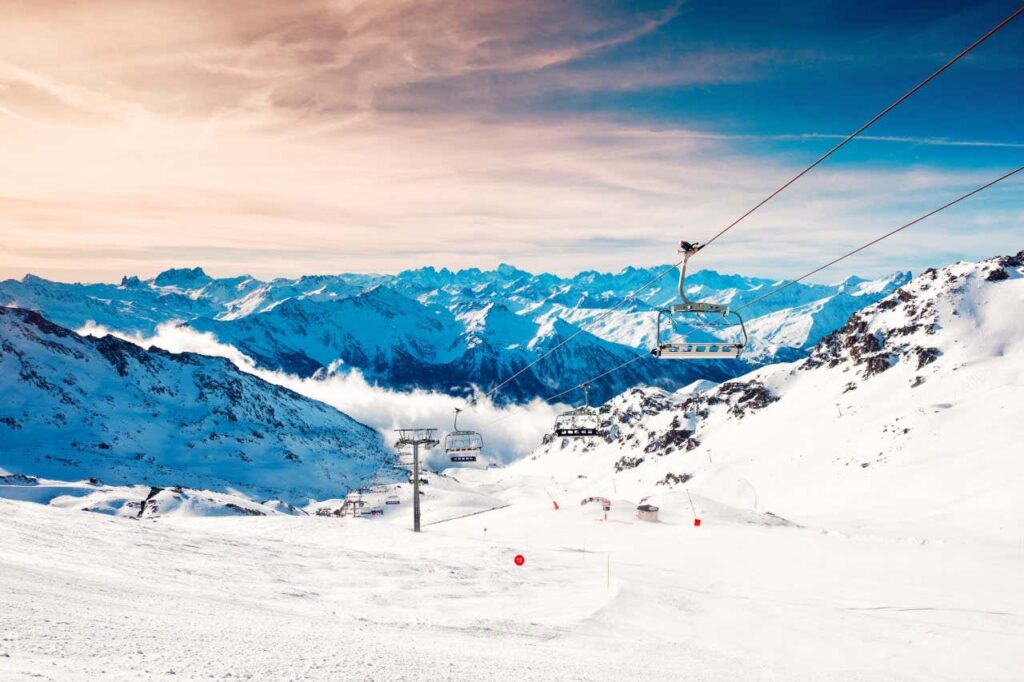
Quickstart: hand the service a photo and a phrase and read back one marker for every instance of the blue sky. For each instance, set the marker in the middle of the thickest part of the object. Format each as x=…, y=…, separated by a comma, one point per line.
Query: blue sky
x=820, y=68
x=828, y=67
x=314, y=136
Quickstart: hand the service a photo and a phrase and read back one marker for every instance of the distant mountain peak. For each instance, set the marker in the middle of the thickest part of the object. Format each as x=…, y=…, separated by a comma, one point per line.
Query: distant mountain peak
x=131, y=282
x=182, y=277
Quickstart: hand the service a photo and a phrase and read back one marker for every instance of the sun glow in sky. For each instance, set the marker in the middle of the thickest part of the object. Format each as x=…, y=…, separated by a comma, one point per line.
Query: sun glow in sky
x=313, y=136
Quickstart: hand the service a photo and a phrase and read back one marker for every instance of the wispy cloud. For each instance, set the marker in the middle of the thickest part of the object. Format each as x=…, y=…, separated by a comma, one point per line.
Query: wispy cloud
x=287, y=137
x=933, y=141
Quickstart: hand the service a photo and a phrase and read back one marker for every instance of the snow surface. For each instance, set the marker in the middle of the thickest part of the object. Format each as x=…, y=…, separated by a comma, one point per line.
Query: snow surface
x=744, y=596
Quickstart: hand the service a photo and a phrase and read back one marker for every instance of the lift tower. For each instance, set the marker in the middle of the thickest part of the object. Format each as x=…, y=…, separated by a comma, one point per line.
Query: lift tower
x=416, y=438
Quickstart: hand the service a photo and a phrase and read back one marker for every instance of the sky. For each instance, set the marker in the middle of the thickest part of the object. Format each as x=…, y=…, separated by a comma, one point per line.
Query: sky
x=313, y=136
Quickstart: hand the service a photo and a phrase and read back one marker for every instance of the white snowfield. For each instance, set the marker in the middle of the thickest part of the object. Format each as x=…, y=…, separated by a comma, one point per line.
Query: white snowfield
x=861, y=519
x=84, y=596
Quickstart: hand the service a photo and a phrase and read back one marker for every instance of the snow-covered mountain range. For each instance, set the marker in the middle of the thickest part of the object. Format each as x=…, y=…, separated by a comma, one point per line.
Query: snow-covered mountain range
x=451, y=331
x=906, y=417
x=75, y=407
x=862, y=501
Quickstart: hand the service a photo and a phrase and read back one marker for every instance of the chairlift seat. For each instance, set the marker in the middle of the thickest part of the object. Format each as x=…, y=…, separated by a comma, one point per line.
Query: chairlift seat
x=669, y=351
x=462, y=447
x=462, y=458
x=578, y=423
x=572, y=432
x=699, y=307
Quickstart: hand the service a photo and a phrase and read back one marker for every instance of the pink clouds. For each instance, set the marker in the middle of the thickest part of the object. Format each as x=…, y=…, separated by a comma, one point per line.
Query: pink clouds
x=303, y=136
x=200, y=58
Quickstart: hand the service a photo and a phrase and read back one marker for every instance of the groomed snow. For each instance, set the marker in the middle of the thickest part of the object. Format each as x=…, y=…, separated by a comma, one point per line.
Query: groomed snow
x=86, y=596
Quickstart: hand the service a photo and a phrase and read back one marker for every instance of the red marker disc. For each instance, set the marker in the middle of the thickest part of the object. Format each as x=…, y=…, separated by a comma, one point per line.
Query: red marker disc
x=520, y=560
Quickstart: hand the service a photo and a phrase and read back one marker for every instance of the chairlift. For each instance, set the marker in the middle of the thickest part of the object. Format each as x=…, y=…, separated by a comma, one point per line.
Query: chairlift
x=462, y=446
x=580, y=422
x=681, y=349
x=392, y=499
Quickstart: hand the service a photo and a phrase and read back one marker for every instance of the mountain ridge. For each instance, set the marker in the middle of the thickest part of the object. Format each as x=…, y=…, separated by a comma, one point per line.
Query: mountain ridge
x=424, y=318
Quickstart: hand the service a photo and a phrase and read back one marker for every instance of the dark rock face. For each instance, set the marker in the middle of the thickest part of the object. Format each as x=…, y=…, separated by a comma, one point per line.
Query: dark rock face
x=862, y=344
x=38, y=321
x=670, y=440
x=746, y=396
x=18, y=479
x=741, y=397
x=1015, y=261
x=244, y=511
x=674, y=479
x=626, y=463
x=855, y=343
x=926, y=356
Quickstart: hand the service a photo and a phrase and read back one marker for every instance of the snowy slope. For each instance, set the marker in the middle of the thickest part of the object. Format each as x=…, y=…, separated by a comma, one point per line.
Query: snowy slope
x=79, y=407
x=450, y=331
x=906, y=418
x=87, y=596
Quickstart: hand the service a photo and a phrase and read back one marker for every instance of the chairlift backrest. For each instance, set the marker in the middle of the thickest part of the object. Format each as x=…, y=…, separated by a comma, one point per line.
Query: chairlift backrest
x=462, y=446
x=463, y=441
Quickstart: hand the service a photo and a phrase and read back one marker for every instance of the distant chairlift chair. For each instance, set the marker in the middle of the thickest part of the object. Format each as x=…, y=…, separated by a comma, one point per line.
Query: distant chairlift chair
x=580, y=422
x=462, y=447
x=681, y=349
